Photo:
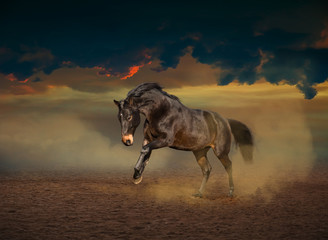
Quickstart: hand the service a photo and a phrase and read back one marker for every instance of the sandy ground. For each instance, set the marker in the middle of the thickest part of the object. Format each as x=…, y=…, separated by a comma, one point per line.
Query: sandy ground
x=103, y=205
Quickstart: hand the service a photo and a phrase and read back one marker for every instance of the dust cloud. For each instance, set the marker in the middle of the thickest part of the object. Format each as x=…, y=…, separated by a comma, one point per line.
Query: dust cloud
x=50, y=141
x=283, y=148
x=65, y=141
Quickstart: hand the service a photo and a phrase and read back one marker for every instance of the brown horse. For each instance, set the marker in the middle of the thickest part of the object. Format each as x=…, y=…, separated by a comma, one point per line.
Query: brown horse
x=171, y=124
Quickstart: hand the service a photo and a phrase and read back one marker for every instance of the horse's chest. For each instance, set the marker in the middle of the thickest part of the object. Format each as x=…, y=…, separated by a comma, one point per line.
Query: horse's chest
x=152, y=133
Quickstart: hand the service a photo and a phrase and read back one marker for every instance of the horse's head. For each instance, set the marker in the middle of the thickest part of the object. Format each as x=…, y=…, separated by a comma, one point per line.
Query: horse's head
x=129, y=117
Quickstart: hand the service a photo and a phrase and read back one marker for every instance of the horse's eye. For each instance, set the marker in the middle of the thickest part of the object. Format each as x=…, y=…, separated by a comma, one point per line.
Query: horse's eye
x=129, y=118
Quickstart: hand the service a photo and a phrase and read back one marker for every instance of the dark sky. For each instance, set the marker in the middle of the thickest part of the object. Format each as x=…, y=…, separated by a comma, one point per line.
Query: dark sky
x=248, y=40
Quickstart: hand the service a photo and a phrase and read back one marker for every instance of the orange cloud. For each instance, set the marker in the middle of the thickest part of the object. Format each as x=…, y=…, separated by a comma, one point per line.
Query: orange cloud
x=265, y=57
x=99, y=68
x=132, y=70
x=25, y=81
x=102, y=71
x=11, y=77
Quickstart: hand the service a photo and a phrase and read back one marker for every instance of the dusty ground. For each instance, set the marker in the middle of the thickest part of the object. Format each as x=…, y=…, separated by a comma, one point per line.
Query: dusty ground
x=108, y=206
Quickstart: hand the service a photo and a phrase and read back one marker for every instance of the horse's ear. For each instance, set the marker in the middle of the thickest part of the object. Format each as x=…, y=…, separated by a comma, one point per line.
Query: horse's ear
x=117, y=103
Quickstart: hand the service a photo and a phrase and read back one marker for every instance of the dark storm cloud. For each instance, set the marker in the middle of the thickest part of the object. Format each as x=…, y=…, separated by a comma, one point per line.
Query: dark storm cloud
x=247, y=39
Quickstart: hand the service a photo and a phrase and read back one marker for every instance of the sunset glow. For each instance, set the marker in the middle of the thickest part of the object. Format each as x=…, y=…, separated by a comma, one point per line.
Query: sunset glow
x=132, y=70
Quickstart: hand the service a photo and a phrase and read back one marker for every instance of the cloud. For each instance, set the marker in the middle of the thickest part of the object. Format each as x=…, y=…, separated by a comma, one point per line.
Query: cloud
x=55, y=142
x=188, y=72
x=117, y=39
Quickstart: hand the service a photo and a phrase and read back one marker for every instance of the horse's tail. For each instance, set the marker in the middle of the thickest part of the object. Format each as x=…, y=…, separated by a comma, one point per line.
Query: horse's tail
x=243, y=138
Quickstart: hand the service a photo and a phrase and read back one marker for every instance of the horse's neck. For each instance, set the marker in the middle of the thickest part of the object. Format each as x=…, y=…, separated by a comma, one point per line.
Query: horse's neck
x=145, y=110
x=151, y=105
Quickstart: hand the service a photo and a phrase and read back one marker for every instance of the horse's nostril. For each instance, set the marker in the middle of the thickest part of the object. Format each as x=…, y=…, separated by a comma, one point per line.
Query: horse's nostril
x=128, y=142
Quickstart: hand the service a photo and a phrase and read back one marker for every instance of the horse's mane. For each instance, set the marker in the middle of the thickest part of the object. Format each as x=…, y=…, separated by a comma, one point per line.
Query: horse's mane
x=145, y=87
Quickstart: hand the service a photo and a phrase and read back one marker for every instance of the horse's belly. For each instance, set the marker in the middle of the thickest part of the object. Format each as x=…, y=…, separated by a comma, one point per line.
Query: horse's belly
x=181, y=148
x=190, y=141
x=193, y=133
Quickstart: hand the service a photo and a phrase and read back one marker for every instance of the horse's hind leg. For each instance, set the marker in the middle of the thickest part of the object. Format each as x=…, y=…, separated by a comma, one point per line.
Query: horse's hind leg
x=226, y=162
x=206, y=169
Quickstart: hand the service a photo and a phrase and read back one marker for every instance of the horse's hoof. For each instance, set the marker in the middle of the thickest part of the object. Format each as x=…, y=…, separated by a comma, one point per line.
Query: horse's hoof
x=230, y=194
x=138, y=180
x=197, y=195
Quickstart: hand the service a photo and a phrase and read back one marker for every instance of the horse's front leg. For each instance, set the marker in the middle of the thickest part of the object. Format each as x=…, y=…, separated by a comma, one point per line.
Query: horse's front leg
x=140, y=165
x=144, y=158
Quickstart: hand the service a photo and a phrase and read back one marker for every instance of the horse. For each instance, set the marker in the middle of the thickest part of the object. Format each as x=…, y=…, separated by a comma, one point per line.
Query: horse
x=171, y=124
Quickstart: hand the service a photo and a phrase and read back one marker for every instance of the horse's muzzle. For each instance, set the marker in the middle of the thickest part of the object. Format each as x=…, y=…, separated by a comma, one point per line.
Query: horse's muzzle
x=127, y=140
